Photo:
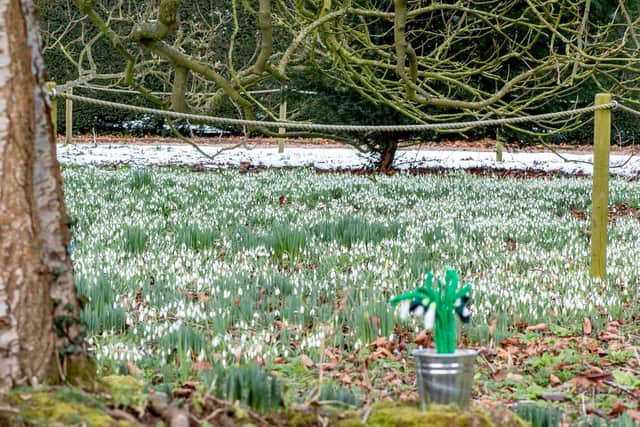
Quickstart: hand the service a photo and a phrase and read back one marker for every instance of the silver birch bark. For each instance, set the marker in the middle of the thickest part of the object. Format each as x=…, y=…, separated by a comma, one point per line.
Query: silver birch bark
x=40, y=331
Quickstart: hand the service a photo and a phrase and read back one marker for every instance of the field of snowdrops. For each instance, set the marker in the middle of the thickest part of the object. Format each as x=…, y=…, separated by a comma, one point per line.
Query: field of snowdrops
x=181, y=270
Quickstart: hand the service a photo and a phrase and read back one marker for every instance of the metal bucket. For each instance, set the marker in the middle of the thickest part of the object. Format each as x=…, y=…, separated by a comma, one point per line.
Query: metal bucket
x=444, y=378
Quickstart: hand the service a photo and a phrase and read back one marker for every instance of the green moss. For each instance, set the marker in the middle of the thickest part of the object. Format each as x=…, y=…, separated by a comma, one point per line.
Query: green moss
x=168, y=12
x=410, y=415
x=124, y=390
x=61, y=407
x=81, y=372
x=121, y=383
x=301, y=418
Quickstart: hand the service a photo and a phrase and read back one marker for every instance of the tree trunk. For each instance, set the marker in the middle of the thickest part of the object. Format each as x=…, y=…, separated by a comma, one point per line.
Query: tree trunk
x=387, y=156
x=40, y=332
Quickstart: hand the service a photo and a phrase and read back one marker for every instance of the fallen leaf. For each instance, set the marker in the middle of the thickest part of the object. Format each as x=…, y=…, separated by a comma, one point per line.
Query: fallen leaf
x=423, y=338
x=383, y=353
x=613, y=325
x=580, y=383
x=332, y=357
x=202, y=366
x=191, y=384
x=615, y=346
x=132, y=369
x=180, y=392
x=502, y=353
x=512, y=349
x=498, y=375
x=538, y=328
x=345, y=378
x=592, y=345
x=511, y=341
x=306, y=361
x=593, y=411
x=587, y=328
x=554, y=380
x=608, y=336
x=25, y=396
x=327, y=366
x=618, y=408
x=380, y=342
x=203, y=297
x=514, y=377
x=593, y=372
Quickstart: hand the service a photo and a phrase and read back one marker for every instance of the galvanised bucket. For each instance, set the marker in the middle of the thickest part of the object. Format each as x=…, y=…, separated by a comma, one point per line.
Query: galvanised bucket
x=444, y=378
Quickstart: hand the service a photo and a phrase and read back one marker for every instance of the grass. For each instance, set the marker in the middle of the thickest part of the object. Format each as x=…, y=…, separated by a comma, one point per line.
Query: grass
x=140, y=178
x=179, y=268
x=285, y=241
x=134, y=239
x=249, y=384
x=195, y=237
x=348, y=231
x=539, y=415
x=99, y=313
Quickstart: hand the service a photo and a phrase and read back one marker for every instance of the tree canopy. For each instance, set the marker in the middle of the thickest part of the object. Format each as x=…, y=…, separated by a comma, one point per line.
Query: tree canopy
x=436, y=61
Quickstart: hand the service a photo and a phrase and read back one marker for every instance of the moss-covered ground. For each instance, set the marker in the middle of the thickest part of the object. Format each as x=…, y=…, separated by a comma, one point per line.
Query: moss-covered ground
x=120, y=401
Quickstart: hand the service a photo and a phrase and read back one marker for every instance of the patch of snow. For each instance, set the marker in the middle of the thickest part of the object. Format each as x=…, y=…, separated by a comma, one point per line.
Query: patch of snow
x=334, y=158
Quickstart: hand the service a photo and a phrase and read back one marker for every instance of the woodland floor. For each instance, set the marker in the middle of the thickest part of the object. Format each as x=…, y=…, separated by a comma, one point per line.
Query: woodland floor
x=584, y=372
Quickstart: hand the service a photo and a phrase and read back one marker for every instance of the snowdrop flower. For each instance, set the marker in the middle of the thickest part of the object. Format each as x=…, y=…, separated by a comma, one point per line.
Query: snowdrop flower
x=461, y=307
x=403, y=309
x=430, y=316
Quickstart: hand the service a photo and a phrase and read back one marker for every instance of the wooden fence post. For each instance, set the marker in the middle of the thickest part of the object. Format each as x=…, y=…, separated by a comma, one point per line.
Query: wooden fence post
x=69, y=117
x=283, y=117
x=51, y=87
x=600, y=188
x=499, y=144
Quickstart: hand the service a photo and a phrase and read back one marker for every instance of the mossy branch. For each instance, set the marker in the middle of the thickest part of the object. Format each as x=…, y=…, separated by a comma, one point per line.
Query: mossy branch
x=178, y=98
x=266, y=30
x=167, y=23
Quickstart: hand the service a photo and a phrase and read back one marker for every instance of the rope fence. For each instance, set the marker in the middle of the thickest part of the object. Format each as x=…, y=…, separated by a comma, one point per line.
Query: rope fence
x=336, y=127
x=629, y=110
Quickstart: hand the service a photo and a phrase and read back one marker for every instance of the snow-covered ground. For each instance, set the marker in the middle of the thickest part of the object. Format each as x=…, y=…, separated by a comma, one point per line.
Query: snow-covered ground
x=334, y=158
